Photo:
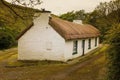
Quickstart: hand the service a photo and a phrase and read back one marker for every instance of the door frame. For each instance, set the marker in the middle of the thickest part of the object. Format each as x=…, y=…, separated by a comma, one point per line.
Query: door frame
x=83, y=47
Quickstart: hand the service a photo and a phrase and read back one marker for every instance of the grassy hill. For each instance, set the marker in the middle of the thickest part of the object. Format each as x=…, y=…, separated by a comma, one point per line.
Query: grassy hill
x=11, y=20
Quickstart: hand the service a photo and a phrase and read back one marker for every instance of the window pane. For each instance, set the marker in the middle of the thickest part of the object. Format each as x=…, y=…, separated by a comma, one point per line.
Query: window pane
x=96, y=41
x=89, y=44
x=75, y=45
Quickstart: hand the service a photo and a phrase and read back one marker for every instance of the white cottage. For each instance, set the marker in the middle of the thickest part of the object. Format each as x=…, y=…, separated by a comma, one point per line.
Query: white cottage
x=51, y=38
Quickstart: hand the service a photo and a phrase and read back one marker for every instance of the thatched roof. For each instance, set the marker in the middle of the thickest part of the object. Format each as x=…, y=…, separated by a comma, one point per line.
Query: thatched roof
x=69, y=30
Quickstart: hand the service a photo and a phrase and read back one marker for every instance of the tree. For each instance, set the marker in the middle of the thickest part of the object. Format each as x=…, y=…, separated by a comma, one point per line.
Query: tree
x=6, y=40
x=104, y=16
x=74, y=15
x=7, y=36
x=110, y=12
x=105, y=9
x=80, y=15
x=27, y=3
x=113, y=38
x=68, y=16
x=100, y=22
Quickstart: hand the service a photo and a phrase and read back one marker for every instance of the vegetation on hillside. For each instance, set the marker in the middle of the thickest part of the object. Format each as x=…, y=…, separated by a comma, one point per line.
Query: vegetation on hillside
x=106, y=17
x=13, y=20
x=74, y=15
x=102, y=17
x=113, y=38
x=114, y=53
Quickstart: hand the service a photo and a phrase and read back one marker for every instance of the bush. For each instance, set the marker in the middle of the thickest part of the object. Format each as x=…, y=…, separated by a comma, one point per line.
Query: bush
x=114, y=53
x=6, y=40
x=114, y=63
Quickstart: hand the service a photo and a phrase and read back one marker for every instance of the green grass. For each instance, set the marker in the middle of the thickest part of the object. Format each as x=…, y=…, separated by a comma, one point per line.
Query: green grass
x=11, y=69
x=12, y=21
x=5, y=54
x=95, y=70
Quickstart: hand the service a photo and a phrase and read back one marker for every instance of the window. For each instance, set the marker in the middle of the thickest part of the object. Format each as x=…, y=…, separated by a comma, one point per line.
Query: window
x=75, y=45
x=89, y=43
x=96, y=41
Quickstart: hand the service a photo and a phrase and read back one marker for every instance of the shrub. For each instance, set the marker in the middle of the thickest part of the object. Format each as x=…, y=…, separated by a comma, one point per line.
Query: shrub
x=114, y=53
x=6, y=40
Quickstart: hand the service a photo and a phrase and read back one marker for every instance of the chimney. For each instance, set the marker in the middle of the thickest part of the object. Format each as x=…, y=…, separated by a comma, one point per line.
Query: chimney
x=43, y=9
x=78, y=22
x=41, y=17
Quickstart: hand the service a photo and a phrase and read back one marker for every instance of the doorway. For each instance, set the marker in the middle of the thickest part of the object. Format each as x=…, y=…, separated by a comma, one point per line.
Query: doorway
x=83, y=47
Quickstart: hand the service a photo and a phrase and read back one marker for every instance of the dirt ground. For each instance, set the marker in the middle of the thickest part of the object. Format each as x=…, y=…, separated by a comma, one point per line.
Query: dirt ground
x=89, y=67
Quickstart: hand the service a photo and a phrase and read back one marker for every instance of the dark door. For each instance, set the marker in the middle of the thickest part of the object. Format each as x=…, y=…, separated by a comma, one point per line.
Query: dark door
x=83, y=47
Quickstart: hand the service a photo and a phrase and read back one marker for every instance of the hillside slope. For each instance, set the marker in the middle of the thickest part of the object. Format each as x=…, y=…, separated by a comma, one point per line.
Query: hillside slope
x=11, y=20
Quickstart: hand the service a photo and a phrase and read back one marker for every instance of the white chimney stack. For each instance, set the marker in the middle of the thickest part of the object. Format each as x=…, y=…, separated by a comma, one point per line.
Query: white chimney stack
x=41, y=17
x=78, y=21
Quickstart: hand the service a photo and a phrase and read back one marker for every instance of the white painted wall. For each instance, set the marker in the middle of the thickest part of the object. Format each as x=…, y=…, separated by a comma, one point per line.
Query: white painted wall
x=69, y=48
x=41, y=42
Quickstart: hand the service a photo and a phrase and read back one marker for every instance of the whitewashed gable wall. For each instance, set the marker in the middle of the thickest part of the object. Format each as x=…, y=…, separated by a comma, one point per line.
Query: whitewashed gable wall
x=41, y=42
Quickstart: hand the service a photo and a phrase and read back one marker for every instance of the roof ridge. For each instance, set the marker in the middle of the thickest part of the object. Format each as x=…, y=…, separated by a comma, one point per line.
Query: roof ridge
x=69, y=30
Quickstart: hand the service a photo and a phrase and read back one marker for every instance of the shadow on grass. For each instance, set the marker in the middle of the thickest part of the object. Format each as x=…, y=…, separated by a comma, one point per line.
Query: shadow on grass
x=27, y=63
